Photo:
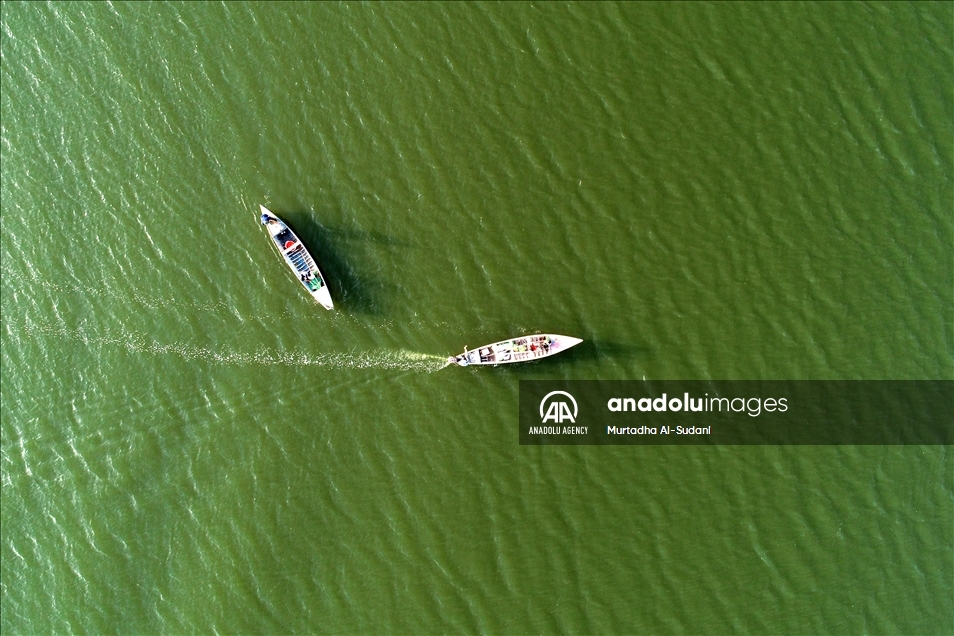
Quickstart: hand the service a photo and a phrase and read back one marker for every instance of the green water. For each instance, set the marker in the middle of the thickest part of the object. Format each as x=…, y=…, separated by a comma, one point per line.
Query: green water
x=699, y=191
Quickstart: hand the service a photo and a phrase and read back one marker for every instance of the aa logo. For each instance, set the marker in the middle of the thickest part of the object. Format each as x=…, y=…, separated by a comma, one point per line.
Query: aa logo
x=558, y=410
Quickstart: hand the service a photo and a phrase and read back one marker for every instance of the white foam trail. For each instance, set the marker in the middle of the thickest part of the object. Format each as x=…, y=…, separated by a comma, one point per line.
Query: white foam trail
x=136, y=343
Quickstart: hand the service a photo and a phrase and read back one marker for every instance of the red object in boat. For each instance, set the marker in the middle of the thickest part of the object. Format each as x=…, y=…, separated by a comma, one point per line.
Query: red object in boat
x=289, y=244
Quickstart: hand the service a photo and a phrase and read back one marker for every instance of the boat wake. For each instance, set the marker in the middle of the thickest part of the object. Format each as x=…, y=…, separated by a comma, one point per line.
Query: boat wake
x=380, y=359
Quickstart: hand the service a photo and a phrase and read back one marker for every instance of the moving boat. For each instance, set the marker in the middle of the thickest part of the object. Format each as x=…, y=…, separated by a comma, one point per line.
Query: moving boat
x=298, y=258
x=522, y=349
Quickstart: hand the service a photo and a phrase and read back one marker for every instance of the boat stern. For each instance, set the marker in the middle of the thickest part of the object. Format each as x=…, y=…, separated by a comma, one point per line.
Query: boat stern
x=465, y=359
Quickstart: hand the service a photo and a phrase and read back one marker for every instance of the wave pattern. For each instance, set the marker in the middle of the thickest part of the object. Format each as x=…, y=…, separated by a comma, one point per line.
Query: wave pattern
x=699, y=191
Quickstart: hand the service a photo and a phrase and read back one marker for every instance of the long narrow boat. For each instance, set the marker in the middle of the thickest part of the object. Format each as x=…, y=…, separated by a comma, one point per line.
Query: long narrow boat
x=297, y=258
x=522, y=349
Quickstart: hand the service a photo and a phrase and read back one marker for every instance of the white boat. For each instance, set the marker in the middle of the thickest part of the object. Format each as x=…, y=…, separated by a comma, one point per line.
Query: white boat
x=522, y=349
x=298, y=258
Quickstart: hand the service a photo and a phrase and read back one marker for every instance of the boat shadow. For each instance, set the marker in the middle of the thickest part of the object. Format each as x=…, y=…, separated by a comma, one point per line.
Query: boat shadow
x=355, y=234
x=349, y=289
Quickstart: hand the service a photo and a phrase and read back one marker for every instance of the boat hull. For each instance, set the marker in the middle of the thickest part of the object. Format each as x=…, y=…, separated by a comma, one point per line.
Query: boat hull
x=298, y=259
x=520, y=349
